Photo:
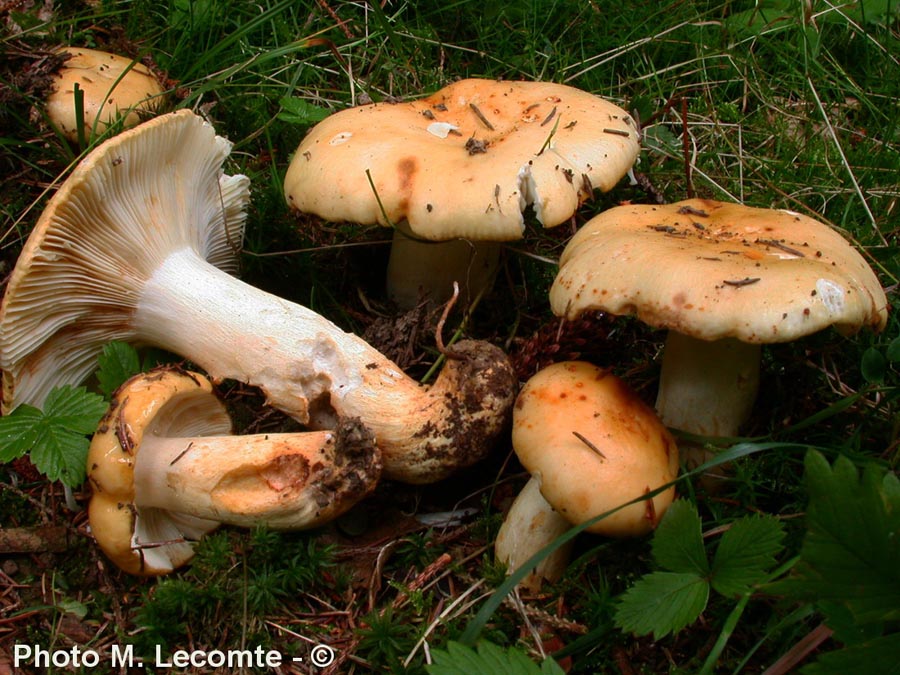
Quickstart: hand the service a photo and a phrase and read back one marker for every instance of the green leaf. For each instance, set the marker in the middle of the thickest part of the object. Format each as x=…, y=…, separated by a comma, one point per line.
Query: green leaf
x=487, y=659
x=61, y=455
x=866, y=11
x=659, y=138
x=746, y=552
x=74, y=409
x=551, y=667
x=766, y=16
x=873, y=365
x=118, y=362
x=57, y=437
x=852, y=544
x=300, y=111
x=662, y=603
x=79, y=609
x=678, y=540
x=893, y=349
x=844, y=625
x=876, y=656
x=19, y=432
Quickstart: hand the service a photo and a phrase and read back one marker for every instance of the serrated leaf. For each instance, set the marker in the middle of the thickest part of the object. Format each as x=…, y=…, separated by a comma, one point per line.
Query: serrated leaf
x=487, y=659
x=875, y=656
x=117, y=362
x=61, y=455
x=74, y=409
x=678, y=540
x=57, y=437
x=19, y=431
x=746, y=552
x=662, y=603
x=497, y=660
x=850, y=551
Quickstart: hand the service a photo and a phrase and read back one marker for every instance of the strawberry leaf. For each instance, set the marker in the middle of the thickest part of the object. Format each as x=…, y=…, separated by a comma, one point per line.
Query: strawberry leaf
x=57, y=437
x=487, y=659
x=117, y=362
x=678, y=540
x=746, y=553
x=662, y=603
x=852, y=545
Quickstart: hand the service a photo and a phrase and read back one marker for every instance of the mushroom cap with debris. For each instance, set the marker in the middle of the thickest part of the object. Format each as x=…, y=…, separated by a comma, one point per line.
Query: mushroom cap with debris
x=466, y=161
x=714, y=270
x=594, y=445
x=114, y=87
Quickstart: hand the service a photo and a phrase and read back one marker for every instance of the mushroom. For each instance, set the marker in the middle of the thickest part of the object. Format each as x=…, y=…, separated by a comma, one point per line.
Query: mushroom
x=724, y=279
x=461, y=166
x=115, y=88
x=130, y=248
x=165, y=470
x=590, y=445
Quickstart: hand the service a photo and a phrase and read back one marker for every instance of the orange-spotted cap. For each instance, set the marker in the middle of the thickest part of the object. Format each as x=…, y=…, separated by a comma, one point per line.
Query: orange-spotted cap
x=595, y=446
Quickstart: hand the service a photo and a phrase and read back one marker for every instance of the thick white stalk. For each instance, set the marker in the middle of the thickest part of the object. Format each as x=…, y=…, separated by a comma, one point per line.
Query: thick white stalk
x=530, y=525
x=283, y=481
x=316, y=372
x=427, y=269
x=707, y=388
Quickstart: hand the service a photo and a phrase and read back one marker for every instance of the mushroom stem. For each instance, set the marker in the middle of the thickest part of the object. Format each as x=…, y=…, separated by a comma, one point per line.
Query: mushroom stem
x=530, y=525
x=281, y=480
x=427, y=269
x=707, y=387
x=316, y=372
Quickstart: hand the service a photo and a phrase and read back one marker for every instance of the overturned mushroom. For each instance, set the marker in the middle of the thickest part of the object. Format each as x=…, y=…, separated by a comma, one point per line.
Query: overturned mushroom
x=591, y=445
x=130, y=248
x=724, y=279
x=114, y=88
x=461, y=166
x=165, y=470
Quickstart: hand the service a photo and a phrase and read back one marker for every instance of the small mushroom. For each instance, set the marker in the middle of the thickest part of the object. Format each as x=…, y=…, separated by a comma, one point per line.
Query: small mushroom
x=165, y=470
x=137, y=246
x=590, y=445
x=461, y=166
x=723, y=279
x=114, y=88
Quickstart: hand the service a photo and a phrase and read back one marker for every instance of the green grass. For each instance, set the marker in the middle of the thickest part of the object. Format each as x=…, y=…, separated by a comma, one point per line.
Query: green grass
x=777, y=107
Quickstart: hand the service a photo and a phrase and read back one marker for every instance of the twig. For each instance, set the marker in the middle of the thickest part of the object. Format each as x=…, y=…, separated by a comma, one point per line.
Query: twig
x=438, y=337
x=480, y=115
x=800, y=651
x=340, y=22
x=589, y=444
